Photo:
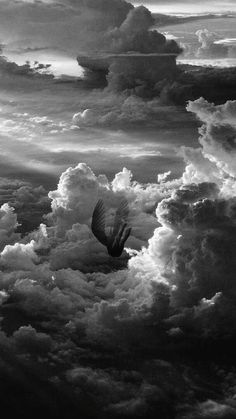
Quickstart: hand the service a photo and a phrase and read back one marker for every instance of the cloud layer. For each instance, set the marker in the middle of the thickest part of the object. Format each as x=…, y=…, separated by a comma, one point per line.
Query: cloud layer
x=68, y=307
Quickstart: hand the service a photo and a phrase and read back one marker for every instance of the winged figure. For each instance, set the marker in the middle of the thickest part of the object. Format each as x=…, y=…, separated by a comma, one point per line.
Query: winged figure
x=114, y=239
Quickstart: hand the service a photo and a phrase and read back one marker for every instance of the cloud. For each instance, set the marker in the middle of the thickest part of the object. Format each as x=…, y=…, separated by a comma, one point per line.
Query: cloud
x=194, y=241
x=19, y=256
x=78, y=25
x=74, y=184
x=211, y=409
x=105, y=337
x=128, y=110
x=72, y=206
x=29, y=202
x=27, y=339
x=73, y=317
x=84, y=118
x=210, y=48
x=8, y=225
x=218, y=133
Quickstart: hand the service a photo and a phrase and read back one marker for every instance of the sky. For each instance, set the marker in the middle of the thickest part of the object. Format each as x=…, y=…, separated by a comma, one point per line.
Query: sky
x=188, y=6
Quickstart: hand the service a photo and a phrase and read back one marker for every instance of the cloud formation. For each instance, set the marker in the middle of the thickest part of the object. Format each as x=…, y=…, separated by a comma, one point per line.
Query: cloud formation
x=121, y=338
x=67, y=307
x=78, y=25
x=211, y=46
x=121, y=54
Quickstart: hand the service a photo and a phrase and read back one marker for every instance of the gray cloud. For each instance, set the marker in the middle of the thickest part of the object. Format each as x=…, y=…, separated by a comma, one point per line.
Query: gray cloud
x=78, y=24
x=103, y=337
x=176, y=292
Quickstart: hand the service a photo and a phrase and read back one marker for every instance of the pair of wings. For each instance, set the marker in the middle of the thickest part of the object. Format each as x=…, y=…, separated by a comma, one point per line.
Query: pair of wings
x=99, y=220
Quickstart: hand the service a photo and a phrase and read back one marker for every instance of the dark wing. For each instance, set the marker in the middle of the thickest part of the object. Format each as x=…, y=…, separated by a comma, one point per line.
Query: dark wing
x=126, y=235
x=121, y=216
x=99, y=222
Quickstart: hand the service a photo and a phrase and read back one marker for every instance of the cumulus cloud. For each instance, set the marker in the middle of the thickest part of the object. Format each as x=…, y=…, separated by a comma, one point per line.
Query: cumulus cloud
x=129, y=110
x=30, y=203
x=19, y=256
x=84, y=118
x=218, y=133
x=119, y=55
x=74, y=184
x=136, y=34
x=66, y=306
x=27, y=339
x=212, y=46
x=187, y=250
x=103, y=336
x=72, y=206
x=8, y=225
x=79, y=25
x=208, y=48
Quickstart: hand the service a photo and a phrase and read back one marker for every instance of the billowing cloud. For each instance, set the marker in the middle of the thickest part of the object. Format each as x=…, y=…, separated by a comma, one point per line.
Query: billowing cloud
x=95, y=336
x=83, y=29
x=211, y=46
x=66, y=306
x=19, y=256
x=8, y=225
x=121, y=55
x=73, y=203
x=77, y=24
x=128, y=111
x=218, y=133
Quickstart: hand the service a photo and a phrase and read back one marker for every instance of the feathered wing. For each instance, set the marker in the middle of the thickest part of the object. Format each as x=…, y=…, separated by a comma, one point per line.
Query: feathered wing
x=99, y=222
x=125, y=235
x=121, y=216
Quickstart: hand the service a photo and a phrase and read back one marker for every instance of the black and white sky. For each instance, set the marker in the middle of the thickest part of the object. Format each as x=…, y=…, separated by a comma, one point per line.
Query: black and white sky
x=146, y=116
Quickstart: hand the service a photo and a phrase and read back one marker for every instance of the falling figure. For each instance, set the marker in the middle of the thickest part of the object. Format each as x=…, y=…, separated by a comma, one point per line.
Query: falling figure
x=118, y=234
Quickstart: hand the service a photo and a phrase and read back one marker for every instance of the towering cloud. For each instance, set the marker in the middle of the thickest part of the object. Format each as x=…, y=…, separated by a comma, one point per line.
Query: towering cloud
x=125, y=63
x=218, y=136
x=82, y=28
x=208, y=48
x=77, y=24
x=212, y=46
x=193, y=249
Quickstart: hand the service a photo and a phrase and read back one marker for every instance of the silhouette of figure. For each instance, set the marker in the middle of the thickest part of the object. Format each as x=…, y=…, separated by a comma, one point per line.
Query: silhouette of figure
x=118, y=234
